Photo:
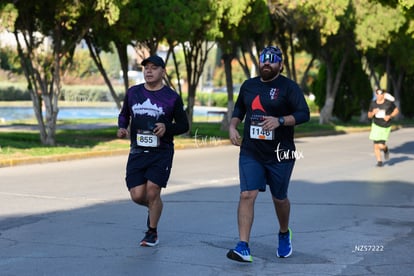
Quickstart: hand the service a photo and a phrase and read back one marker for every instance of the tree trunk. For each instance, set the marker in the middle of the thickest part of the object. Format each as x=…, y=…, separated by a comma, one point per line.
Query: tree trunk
x=37, y=108
x=50, y=100
x=363, y=117
x=190, y=105
x=123, y=60
x=372, y=75
x=195, y=56
x=39, y=90
x=396, y=82
x=50, y=94
x=227, y=59
x=98, y=62
x=331, y=87
x=325, y=115
x=306, y=74
x=242, y=59
x=176, y=66
x=51, y=118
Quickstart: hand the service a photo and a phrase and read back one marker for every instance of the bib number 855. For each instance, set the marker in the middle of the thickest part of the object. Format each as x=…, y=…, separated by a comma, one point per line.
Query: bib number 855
x=147, y=140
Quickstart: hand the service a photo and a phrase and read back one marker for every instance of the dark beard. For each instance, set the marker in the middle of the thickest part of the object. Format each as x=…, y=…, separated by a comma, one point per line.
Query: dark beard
x=268, y=75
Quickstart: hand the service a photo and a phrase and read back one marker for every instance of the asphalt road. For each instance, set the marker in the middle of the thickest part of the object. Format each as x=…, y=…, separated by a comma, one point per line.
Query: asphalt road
x=348, y=217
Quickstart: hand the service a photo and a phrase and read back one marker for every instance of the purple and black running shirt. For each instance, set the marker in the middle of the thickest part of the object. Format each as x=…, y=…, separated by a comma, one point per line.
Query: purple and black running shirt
x=143, y=108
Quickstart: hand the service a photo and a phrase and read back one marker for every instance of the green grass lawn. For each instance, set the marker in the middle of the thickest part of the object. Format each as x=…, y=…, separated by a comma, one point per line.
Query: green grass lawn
x=20, y=144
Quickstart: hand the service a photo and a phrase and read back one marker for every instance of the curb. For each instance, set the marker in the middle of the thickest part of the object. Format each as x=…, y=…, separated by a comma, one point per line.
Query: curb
x=202, y=143
x=57, y=158
x=12, y=162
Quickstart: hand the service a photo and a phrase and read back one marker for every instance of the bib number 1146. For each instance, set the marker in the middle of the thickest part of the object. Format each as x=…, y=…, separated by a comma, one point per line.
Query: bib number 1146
x=257, y=132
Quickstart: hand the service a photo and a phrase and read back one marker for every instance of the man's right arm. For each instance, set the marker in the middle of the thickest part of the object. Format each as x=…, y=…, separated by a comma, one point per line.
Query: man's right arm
x=123, y=119
x=234, y=134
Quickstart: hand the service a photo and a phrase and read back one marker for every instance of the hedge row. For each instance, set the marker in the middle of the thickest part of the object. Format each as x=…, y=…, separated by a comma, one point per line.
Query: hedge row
x=13, y=92
x=16, y=92
x=89, y=93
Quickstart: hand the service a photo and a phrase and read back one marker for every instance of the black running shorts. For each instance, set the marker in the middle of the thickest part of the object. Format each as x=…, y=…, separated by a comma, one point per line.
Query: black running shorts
x=154, y=165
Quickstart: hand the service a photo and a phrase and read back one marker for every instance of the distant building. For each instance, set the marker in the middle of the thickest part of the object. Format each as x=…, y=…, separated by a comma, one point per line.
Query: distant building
x=7, y=39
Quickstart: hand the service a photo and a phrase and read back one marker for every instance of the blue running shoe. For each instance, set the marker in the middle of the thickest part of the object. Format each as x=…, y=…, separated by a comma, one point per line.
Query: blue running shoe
x=285, y=245
x=241, y=253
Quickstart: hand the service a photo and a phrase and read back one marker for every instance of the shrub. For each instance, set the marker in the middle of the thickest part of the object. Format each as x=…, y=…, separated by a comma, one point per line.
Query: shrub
x=13, y=92
x=86, y=93
x=76, y=93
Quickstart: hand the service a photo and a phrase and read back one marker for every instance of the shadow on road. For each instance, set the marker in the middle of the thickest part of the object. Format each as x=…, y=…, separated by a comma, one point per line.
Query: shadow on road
x=198, y=227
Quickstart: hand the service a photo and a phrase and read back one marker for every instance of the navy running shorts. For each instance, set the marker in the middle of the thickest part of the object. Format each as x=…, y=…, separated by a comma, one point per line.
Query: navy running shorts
x=254, y=175
x=153, y=165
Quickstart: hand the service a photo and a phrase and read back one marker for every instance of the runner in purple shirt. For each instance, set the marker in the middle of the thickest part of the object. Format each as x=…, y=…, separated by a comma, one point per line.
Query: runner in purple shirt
x=154, y=114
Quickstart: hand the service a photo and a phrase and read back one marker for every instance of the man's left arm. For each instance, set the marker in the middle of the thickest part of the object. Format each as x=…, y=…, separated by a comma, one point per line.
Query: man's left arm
x=180, y=124
x=301, y=113
x=393, y=114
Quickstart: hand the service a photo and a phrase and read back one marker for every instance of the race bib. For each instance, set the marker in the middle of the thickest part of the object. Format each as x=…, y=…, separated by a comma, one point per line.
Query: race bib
x=380, y=113
x=257, y=132
x=147, y=139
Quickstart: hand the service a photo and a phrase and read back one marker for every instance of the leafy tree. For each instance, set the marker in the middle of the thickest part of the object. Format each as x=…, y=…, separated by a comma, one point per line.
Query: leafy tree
x=254, y=31
x=230, y=14
x=384, y=41
x=46, y=33
x=105, y=35
x=407, y=96
x=354, y=91
x=399, y=65
x=95, y=54
x=8, y=60
x=332, y=32
x=290, y=20
x=142, y=26
x=191, y=25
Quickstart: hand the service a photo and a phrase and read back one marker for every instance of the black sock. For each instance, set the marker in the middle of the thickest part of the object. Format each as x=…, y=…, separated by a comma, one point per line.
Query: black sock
x=152, y=229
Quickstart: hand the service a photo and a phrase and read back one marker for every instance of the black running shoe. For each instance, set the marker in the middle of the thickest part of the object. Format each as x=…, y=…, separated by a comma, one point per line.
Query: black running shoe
x=379, y=164
x=150, y=239
x=386, y=154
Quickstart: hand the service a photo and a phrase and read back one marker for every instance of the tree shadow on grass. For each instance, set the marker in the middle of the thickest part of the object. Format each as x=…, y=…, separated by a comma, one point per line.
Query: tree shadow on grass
x=72, y=138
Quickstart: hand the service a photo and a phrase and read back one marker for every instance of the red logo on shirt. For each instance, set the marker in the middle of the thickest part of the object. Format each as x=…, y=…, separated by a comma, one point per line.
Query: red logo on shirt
x=257, y=105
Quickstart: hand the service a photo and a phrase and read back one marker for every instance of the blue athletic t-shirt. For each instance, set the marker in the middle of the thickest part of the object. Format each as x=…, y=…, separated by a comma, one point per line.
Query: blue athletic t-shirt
x=277, y=98
x=143, y=108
